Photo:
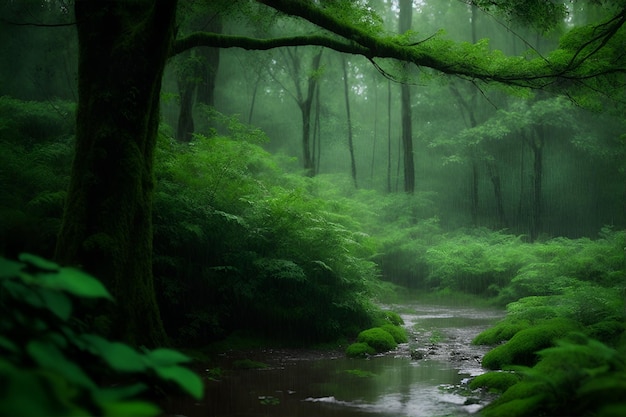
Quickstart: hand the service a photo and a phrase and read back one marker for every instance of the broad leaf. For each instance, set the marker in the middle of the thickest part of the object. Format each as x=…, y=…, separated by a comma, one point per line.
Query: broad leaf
x=120, y=357
x=38, y=262
x=9, y=269
x=184, y=378
x=166, y=357
x=75, y=282
x=50, y=357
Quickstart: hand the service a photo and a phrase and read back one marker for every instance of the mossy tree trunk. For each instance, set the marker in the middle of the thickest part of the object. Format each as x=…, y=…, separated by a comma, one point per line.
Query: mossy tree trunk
x=107, y=223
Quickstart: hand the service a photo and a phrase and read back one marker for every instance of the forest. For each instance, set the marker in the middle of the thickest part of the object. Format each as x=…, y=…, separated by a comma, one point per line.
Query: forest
x=183, y=176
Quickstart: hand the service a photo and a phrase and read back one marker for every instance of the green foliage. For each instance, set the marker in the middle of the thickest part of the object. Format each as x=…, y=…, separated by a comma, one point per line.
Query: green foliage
x=498, y=381
x=35, y=155
x=502, y=331
x=379, y=339
x=398, y=333
x=240, y=242
x=522, y=347
x=359, y=350
x=51, y=366
x=578, y=376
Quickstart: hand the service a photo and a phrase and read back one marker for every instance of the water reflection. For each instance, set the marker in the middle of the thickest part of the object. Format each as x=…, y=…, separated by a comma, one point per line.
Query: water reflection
x=382, y=386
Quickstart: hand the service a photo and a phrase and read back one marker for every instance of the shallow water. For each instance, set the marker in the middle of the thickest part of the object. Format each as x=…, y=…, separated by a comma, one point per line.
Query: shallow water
x=305, y=384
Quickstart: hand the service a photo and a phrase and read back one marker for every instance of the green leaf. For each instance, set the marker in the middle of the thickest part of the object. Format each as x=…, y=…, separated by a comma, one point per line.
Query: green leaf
x=184, y=378
x=119, y=393
x=50, y=357
x=130, y=409
x=9, y=269
x=38, y=262
x=8, y=345
x=166, y=357
x=75, y=282
x=119, y=356
x=57, y=302
x=23, y=294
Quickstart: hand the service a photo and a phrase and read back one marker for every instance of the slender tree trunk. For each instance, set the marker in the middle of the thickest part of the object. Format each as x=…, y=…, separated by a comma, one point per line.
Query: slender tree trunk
x=374, y=139
x=406, y=15
x=185, y=127
x=346, y=90
x=536, y=144
x=317, y=132
x=197, y=83
x=474, y=192
x=107, y=222
x=389, y=136
x=494, y=175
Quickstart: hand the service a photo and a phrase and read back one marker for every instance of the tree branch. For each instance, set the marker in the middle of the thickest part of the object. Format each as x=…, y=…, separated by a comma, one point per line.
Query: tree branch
x=446, y=58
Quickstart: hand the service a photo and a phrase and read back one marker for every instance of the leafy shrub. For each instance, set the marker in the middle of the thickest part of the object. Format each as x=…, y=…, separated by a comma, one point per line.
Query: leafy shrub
x=522, y=348
x=578, y=376
x=239, y=242
x=50, y=366
x=359, y=350
x=379, y=339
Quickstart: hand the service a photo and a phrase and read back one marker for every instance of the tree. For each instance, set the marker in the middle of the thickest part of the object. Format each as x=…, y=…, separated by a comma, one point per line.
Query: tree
x=107, y=221
x=123, y=47
x=406, y=15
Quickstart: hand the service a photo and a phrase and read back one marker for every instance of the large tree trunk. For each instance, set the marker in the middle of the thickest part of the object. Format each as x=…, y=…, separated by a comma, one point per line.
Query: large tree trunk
x=107, y=223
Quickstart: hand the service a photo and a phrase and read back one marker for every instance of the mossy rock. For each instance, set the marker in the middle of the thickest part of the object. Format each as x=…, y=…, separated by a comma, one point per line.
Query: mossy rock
x=378, y=339
x=359, y=350
x=524, y=399
x=495, y=381
x=394, y=318
x=398, y=333
x=522, y=348
x=502, y=331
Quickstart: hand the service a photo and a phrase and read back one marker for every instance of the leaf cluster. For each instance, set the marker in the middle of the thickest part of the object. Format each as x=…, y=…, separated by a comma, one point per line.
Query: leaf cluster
x=51, y=365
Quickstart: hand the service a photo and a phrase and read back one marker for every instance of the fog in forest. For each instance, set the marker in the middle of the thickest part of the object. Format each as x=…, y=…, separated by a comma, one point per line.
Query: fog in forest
x=301, y=196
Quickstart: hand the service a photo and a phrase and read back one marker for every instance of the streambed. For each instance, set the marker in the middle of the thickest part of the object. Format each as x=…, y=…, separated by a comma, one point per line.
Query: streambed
x=327, y=384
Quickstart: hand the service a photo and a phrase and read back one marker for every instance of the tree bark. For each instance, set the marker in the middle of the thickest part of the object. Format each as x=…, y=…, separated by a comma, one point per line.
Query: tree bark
x=536, y=144
x=107, y=222
x=406, y=14
x=346, y=90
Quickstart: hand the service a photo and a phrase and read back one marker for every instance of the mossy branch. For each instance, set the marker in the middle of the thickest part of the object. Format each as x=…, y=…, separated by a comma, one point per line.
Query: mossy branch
x=459, y=59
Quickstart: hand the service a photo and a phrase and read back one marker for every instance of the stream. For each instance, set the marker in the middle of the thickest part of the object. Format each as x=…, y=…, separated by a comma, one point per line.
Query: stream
x=327, y=384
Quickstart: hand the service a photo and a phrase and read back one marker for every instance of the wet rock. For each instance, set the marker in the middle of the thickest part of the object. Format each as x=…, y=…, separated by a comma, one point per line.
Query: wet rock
x=416, y=355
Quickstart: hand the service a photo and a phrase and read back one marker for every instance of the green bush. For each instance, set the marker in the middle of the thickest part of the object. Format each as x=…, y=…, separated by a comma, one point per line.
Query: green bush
x=239, y=242
x=359, y=350
x=379, y=339
x=521, y=349
x=50, y=366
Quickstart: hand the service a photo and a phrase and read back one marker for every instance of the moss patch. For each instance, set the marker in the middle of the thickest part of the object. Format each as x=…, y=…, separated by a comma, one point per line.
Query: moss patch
x=495, y=381
x=521, y=349
x=359, y=350
x=378, y=339
x=398, y=333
